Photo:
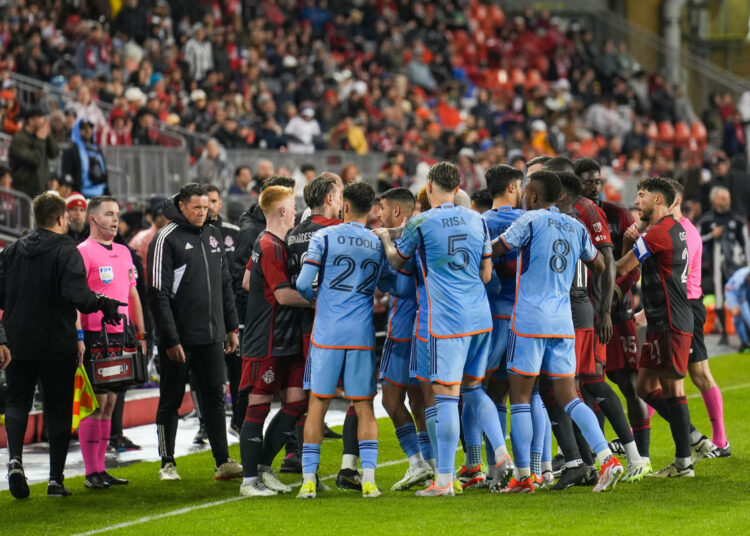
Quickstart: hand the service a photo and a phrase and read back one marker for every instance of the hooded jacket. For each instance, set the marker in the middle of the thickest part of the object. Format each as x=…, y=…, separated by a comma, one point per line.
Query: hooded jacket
x=29, y=157
x=84, y=162
x=190, y=289
x=42, y=283
x=252, y=223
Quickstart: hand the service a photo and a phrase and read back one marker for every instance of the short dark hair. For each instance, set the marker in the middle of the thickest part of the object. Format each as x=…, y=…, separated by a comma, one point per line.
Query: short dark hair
x=570, y=183
x=658, y=185
x=239, y=169
x=584, y=165
x=559, y=163
x=212, y=188
x=189, y=190
x=48, y=207
x=541, y=159
x=304, y=168
x=98, y=201
x=482, y=199
x=400, y=195
x=277, y=180
x=678, y=187
x=4, y=170
x=549, y=183
x=498, y=178
x=445, y=175
x=318, y=189
x=360, y=196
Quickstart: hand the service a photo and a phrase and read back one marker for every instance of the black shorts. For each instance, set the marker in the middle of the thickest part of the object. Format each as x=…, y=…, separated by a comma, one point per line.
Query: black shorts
x=90, y=337
x=698, y=350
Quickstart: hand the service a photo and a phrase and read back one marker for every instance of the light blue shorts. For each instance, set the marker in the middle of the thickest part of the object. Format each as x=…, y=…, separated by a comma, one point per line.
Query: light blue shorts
x=452, y=358
x=529, y=356
x=394, y=365
x=325, y=366
x=496, y=362
x=419, y=360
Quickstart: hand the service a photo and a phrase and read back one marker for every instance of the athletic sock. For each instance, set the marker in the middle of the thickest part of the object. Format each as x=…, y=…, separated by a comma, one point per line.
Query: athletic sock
x=279, y=429
x=447, y=431
x=547, y=446
x=650, y=410
x=251, y=438
x=562, y=427
x=642, y=436
x=489, y=452
x=583, y=446
x=502, y=414
x=425, y=445
x=310, y=460
x=587, y=423
x=105, y=426
x=407, y=438
x=349, y=461
x=88, y=437
x=680, y=425
x=611, y=406
x=655, y=400
x=351, y=443
x=471, y=429
x=430, y=420
x=592, y=403
x=536, y=463
x=368, y=453
x=715, y=407
x=521, y=433
x=485, y=418
x=539, y=425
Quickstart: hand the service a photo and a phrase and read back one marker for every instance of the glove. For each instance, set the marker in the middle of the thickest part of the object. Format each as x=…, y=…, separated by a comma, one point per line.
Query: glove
x=110, y=309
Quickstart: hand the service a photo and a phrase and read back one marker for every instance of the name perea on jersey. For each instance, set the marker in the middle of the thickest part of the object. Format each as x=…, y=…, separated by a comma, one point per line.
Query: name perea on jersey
x=453, y=221
x=358, y=241
x=560, y=225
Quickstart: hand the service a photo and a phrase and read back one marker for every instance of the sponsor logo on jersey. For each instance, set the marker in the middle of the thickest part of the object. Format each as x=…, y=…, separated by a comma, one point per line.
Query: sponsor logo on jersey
x=188, y=246
x=106, y=274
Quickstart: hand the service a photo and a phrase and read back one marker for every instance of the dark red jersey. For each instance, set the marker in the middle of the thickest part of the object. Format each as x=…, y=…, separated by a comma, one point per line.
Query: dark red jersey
x=619, y=219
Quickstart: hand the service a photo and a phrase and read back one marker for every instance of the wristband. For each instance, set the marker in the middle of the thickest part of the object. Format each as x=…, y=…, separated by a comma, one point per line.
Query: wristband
x=80, y=334
x=140, y=336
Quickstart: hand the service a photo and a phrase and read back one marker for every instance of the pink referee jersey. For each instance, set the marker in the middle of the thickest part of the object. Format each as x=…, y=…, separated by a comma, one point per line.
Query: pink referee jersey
x=695, y=253
x=109, y=272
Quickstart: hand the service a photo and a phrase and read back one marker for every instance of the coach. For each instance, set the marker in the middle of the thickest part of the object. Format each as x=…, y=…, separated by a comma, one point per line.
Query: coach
x=190, y=297
x=42, y=283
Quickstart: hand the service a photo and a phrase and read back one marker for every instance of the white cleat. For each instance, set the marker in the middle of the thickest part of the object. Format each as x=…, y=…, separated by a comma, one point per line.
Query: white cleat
x=228, y=470
x=703, y=448
x=256, y=488
x=635, y=473
x=169, y=472
x=672, y=471
x=414, y=475
x=271, y=481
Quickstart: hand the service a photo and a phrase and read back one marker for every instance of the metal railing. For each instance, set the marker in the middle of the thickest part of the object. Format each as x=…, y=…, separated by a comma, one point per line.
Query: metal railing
x=142, y=172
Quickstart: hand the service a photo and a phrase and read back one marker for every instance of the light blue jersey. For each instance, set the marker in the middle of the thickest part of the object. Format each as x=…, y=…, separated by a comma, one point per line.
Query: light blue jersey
x=403, y=308
x=349, y=262
x=501, y=303
x=735, y=290
x=549, y=245
x=451, y=243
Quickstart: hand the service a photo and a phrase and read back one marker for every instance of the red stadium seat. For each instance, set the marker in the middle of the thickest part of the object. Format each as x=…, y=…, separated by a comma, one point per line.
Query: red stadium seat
x=666, y=132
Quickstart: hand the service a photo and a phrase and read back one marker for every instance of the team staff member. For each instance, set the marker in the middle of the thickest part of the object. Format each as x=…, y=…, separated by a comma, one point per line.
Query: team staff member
x=42, y=283
x=110, y=271
x=191, y=299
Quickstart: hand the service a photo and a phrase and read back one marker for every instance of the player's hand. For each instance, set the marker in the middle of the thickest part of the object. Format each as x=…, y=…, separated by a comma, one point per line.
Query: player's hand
x=176, y=353
x=4, y=356
x=43, y=131
x=383, y=233
x=231, y=343
x=110, y=309
x=632, y=234
x=640, y=319
x=603, y=327
x=144, y=346
x=717, y=231
x=81, y=351
x=396, y=232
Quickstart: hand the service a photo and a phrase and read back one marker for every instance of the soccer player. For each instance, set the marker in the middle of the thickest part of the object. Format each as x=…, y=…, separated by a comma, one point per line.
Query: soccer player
x=481, y=200
x=663, y=252
x=397, y=206
x=272, y=359
x=542, y=333
x=453, y=246
x=622, y=349
x=348, y=261
x=735, y=294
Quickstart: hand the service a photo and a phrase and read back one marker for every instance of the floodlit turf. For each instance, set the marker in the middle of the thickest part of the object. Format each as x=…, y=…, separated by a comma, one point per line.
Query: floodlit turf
x=716, y=501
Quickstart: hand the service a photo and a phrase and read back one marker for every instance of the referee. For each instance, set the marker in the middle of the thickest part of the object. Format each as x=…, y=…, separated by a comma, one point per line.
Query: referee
x=42, y=283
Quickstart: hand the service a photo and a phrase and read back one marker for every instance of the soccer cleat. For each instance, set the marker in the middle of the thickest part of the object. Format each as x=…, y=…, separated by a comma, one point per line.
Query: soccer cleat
x=57, y=489
x=572, y=476
x=370, y=490
x=609, y=475
x=538, y=480
x=169, y=472
x=472, y=477
x=330, y=434
x=125, y=444
x=525, y=485
x=547, y=479
x=113, y=480
x=349, y=479
x=201, y=437
x=256, y=488
x=414, y=475
x=672, y=471
x=617, y=447
x=701, y=449
x=458, y=489
x=292, y=463
x=320, y=485
x=635, y=473
x=234, y=430
x=308, y=490
x=19, y=488
x=433, y=491
x=504, y=470
x=271, y=481
x=592, y=478
x=558, y=464
x=95, y=481
x=720, y=452
x=228, y=470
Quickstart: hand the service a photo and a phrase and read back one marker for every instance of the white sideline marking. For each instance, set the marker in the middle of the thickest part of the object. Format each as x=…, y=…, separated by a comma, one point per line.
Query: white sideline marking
x=187, y=509
x=724, y=389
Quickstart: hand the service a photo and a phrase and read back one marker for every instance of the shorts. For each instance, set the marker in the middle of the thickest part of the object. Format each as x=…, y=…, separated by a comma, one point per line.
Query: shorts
x=306, y=345
x=90, y=337
x=272, y=374
x=394, y=365
x=453, y=358
x=530, y=356
x=698, y=350
x=498, y=345
x=665, y=350
x=622, y=350
x=325, y=366
x=419, y=360
x=588, y=352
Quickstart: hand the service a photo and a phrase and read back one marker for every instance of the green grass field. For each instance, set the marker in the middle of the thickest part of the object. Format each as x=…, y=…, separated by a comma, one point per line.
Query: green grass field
x=716, y=501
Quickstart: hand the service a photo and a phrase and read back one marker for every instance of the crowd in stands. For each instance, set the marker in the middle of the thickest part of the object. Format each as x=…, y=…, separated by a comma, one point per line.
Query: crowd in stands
x=417, y=81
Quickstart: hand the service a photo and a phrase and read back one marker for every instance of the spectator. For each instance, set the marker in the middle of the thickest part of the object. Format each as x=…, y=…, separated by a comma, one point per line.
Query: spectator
x=228, y=136
x=88, y=109
x=92, y=54
x=269, y=135
x=30, y=151
x=198, y=53
x=144, y=132
x=140, y=240
x=84, y=161
x=213, y=166
x=118, y=131
x=301, y=132
x=10, y=111
x=131, y=21
x=78, y=228
x=242, y=179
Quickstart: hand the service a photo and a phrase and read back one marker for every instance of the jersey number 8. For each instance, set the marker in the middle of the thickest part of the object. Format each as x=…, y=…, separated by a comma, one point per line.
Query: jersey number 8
x=558, y=262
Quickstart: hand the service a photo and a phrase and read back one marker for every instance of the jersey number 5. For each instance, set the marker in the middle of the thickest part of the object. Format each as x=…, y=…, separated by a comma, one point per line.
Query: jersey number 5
x=350, y=265
x=462, y=253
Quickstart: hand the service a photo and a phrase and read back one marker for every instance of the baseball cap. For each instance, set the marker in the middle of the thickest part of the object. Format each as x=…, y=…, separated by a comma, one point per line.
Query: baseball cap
x=74, y=200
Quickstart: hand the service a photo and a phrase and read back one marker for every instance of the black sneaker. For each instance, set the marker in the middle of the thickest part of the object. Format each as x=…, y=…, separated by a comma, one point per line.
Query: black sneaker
x=112, y=480
x=292, y=464
x=95, y=481
x=113, y=446
x=330, y=434
x=201, y=438
x=349, y=479
x=55, y=489
x=571, y=476
x=617, y=447
x=558, y=462
x=19, y=488
x=126, y=444
x=592, y=479
x=720, y=452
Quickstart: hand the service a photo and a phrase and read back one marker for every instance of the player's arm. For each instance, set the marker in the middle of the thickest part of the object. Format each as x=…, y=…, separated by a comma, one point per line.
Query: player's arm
x=627, y=263
x=597, y=265
x=398, y=255
x=499, y=248
x=603, y=319
x=290, y=297
x=277, y=278
x=396, y=259
x=305, y=281
x=486, y=270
